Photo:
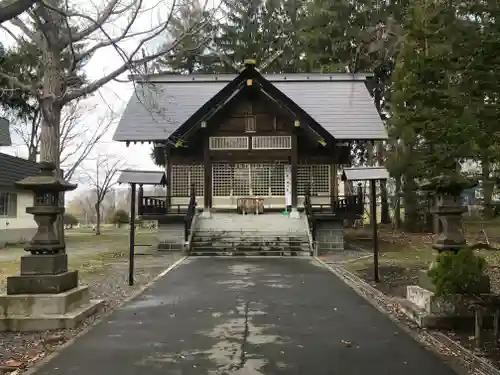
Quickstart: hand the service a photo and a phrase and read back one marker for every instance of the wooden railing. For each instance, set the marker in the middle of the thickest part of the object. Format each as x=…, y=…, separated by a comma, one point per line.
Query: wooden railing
x=152, y=205
x=155, y=205
x=309, y=214
x=188, y=219
x=351, y=206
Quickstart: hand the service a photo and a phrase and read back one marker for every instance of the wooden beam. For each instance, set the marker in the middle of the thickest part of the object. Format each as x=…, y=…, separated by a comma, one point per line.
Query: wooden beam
x=217, y=108
x=333, y=184
x=294, y=159
x=168, y=172
x=207, y=165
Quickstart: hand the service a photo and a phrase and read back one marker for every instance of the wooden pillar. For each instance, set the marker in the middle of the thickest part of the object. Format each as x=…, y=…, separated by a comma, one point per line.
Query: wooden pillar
x=373, y=195
x=168, y=171
x=140, y=195
x=132, y=236
x=207, y=164
x=333, y=184
x=294, y=162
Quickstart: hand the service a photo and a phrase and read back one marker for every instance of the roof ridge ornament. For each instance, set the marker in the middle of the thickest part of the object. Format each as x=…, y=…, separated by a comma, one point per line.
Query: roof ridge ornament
x=250, y=63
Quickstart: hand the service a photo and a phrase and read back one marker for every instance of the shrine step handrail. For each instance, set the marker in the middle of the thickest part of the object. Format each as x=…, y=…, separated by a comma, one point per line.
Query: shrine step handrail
x=349, y=205
x=191, y=211
x=310, y=215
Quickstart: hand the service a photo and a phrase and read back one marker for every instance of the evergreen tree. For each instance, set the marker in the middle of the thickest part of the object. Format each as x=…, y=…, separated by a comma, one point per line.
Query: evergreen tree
x=20, y=63
x=191, y=55
x=264, y=30
x=431, y=113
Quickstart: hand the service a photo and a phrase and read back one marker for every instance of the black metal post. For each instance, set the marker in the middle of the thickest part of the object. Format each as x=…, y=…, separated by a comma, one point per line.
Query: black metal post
x=373, y=201
x=132, y=237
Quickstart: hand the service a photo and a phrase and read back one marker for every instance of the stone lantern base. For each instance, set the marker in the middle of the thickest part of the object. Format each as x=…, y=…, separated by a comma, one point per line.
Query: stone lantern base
x=45, y=296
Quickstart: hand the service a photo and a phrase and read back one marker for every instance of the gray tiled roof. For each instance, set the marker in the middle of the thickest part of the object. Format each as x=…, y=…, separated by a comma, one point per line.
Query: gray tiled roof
x=366, y=173
x=340, y=103
x=4, y=132
x=129, y=176
x=14, y=169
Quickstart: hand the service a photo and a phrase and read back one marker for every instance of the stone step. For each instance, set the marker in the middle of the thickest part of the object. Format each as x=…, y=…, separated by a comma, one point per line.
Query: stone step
x=257, y=233
x=169, y=246
x=212, y=252
x=251, y=247
x=290, y=240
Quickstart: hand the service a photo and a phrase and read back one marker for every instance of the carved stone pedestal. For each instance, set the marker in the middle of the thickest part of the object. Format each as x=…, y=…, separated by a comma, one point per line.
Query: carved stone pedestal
x=45, y=296
x=42, y=312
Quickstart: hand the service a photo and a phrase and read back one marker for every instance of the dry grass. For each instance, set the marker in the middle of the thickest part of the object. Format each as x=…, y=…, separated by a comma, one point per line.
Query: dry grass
x=404, y=255
x=84, y=263
x=87, y=252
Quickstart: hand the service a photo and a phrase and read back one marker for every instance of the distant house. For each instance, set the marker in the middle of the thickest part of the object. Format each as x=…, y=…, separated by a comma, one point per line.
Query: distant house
x=15, y=224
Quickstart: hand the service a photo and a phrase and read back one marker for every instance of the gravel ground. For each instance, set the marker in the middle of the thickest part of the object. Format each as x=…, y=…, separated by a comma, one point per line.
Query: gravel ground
x=22, y=350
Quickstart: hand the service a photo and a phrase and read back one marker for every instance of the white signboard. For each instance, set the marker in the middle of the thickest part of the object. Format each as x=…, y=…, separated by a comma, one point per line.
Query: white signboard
x=288, y=185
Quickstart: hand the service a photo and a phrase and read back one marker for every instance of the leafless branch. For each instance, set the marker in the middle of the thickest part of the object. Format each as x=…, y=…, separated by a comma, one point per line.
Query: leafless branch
x=81, y=145
x=33, y=35
x=101, y=180
x=13, y=8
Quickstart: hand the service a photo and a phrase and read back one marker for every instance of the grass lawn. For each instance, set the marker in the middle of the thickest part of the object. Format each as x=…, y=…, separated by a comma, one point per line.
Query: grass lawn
x=84, y=263
x=403, y=255
x=87, y=252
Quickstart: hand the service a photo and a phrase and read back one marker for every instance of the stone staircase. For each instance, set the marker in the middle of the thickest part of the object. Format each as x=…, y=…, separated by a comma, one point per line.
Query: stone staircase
x=265, y=234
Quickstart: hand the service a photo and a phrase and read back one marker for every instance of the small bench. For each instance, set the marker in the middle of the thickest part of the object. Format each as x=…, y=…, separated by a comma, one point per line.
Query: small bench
x=487, y=304
x=250, y=205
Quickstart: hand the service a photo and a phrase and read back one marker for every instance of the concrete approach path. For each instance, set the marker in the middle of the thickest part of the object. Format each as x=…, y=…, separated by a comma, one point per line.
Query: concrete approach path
x=247, y=316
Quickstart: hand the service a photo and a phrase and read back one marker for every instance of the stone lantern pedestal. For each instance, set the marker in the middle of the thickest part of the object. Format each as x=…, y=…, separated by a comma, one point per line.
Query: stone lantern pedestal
x=421, y=304
x=46, y=295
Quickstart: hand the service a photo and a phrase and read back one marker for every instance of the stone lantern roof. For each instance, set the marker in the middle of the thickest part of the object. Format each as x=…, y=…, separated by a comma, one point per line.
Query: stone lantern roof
x=45, y=180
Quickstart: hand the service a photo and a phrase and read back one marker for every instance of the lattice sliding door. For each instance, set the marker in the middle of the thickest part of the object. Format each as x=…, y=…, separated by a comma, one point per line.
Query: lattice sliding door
x=317, y=176
x=241, y=180
x=183, y=175
x=238, y=180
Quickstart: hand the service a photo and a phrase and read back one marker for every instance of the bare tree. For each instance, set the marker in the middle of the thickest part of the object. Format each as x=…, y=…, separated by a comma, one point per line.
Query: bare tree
x=13, y=8
x=57, y=27
x=101, y=181
x=77, y=139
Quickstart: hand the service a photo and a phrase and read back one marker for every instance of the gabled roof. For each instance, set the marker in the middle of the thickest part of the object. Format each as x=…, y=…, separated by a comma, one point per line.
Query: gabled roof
x=14, y=169
x=129, y=176
x=339, y=102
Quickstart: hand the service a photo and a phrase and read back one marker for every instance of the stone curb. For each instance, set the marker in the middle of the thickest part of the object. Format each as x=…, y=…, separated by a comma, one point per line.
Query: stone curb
x=436, y=339
x=358, y=248
x=38, y=365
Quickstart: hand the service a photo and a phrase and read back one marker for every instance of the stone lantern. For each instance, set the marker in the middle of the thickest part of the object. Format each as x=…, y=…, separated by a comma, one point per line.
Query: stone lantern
x=449, y=209
x=45, y=295
x=48, y=262
x=46, y=189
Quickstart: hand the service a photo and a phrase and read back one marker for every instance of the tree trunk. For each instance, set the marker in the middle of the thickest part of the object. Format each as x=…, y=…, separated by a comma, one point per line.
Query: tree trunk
x=397, y=205
x=34, y=139
x=98, y=219
x=385, y=217
x=488, y=187
x=410, y=204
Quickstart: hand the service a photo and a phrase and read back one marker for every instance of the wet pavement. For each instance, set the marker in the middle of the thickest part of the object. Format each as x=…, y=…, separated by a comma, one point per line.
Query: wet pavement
x=247, y=316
